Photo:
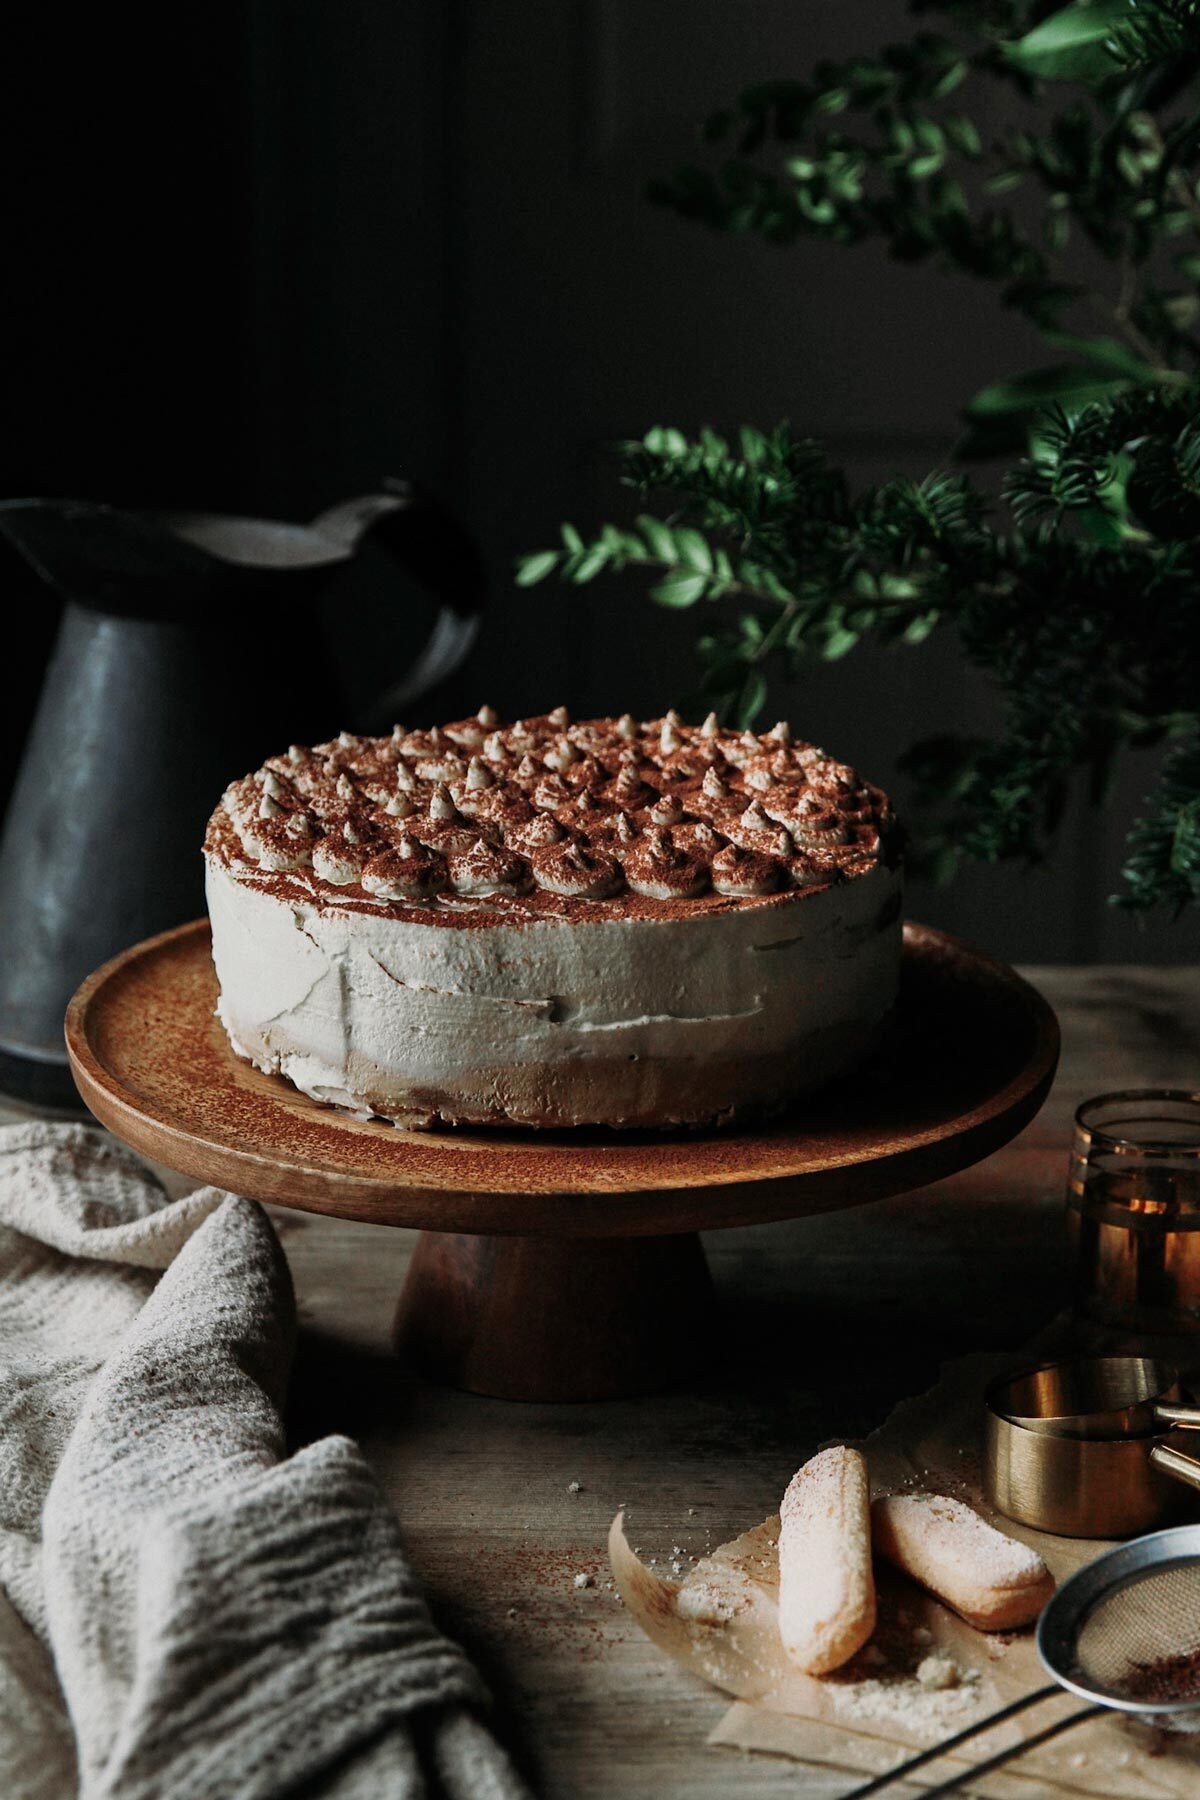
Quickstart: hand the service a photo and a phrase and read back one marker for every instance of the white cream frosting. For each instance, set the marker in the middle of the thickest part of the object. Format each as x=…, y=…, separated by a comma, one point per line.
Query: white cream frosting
x=356, y=1006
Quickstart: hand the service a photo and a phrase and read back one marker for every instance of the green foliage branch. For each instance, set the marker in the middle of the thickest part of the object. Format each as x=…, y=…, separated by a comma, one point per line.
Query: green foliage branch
x=1077, y=594
x=886, y=147
x=1093, y=645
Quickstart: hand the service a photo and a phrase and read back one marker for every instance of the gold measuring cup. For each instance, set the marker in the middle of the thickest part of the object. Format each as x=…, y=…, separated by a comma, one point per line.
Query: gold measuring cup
x=1084, y=1448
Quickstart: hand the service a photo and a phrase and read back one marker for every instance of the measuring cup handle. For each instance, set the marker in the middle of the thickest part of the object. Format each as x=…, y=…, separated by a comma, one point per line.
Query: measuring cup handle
x=1174, y=1462
x=1185, y=1418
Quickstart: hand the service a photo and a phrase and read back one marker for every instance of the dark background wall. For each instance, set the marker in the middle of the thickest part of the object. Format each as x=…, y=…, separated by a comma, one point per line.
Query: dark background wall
x=260, y=259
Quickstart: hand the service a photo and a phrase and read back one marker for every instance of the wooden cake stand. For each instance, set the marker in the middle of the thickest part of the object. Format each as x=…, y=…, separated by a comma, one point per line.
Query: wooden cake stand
x=561, y=1265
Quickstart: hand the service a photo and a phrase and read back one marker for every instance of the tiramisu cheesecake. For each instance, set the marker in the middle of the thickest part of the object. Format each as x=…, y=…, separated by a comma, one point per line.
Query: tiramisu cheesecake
x=554, y=923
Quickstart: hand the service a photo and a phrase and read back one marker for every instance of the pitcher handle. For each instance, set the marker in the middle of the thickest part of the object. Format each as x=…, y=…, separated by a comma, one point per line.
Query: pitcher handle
x=425, y=539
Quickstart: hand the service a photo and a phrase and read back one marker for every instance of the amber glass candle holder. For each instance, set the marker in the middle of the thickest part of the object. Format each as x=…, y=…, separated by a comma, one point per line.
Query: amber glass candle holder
x=1134, y=1209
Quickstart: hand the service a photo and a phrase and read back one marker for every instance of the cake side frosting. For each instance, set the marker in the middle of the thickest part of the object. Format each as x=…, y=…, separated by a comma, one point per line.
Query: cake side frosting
x=680, y=1021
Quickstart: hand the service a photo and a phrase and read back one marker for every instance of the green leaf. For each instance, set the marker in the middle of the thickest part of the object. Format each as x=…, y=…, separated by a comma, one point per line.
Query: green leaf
x=838, y=643
x=923, y=166
x=1098, y=525
x=712, y=444
x=1070, y=44
x=693, y=550
x=1039, y=388
x=963, y=133
x=679, y=590
x=1106, y=353
x=918, y=629
x=571, y=539
x=754, y=444
x=949, y=79
x=535, y=567
x=590, y=563
x=625, y=546
x=664, y=440
x=659, y=538
x=751, y=699
x=897, y=587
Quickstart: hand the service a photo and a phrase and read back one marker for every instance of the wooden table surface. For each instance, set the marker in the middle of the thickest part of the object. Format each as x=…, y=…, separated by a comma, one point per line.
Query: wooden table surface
x=826, y=1323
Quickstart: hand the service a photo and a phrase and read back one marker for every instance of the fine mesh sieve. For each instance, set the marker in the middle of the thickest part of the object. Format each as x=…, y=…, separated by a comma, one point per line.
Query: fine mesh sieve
x=1123, y=1633
x=1141, y=1641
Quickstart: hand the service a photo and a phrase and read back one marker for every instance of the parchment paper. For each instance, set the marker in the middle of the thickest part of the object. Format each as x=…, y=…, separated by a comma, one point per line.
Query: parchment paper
x=860, y=1720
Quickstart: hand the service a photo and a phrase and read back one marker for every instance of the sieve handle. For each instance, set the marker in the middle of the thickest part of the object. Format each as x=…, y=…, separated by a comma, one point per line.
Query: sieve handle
x=1014, y=1750
x=1186, y=1418
x=1174, y=1462
x=961, y=1737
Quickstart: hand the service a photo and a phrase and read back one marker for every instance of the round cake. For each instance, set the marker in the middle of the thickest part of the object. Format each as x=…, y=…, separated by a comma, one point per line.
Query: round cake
x=552, y=923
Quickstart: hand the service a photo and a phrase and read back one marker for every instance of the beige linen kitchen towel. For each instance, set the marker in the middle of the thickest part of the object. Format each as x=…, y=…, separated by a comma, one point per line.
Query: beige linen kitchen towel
x=185, y=1613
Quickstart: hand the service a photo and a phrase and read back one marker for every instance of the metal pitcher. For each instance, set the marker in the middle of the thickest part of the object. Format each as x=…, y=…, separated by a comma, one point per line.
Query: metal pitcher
x=189, y=649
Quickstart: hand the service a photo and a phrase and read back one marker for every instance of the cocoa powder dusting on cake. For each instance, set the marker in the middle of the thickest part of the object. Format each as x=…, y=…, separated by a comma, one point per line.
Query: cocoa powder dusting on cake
x=475, y=821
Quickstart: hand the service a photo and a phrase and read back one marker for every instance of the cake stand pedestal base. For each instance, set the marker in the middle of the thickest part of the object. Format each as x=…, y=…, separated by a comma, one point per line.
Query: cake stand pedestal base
x=536, y=1318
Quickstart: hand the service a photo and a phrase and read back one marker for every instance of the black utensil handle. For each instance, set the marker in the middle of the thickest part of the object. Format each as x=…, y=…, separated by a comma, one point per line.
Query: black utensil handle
x=878, y=1782
x=1013, y=1751
x=426, y=540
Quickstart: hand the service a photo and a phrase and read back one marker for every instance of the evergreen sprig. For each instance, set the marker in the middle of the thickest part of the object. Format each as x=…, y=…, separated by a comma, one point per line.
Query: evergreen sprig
x=1153, y=33
x=1084, y=614
x=1079, y=600
x=1164, y=845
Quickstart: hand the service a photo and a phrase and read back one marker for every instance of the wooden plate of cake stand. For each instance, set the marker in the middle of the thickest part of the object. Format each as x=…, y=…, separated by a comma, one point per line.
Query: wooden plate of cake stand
x=562, y=1265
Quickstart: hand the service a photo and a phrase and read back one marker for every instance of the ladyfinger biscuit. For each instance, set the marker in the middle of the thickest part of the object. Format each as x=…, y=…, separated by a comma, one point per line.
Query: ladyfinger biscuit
x=826, y=1587
x=993, y=1581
